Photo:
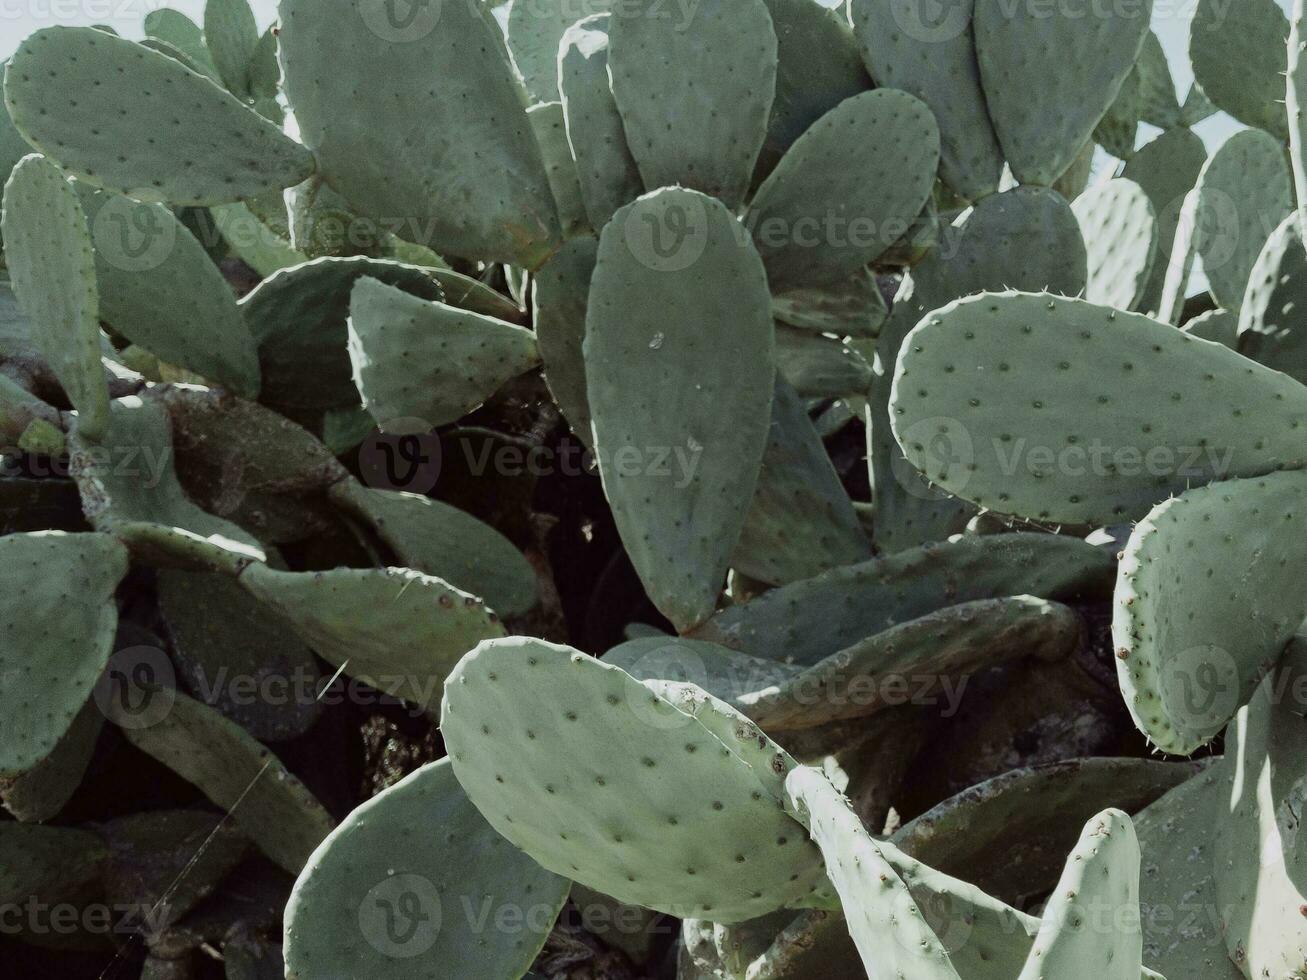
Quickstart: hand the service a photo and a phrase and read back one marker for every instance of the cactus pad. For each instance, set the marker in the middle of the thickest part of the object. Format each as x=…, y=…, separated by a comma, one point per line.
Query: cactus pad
x=59, y=622
x=1068, y=444
x=602, y=780
x=678, y=350
x=560, y=295
x=1268, y=327
x=550, y=128
x=1196, y=630
x=399, y=888
x=206, y=147
x=48, y=252
x=1120, y=231
x=1238, y=53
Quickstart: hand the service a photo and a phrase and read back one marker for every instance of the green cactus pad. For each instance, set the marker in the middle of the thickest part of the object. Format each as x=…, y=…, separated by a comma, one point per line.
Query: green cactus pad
x=1296, y=101
x=1238, y=53
x=321, y=223
x=807, y=621
x=887, y=925
x=1258, y=862
x=222, y=639
x=1026, y=238
x=49, y=256
x=535, y=34
x=818, y=66
x=1118, y=130
x=1219, y=326
x=1068, y=444
x=400, y=887
x=560, y=295
x=1158, y=104
x=231, y=37
x=60, y=618
x=47, y=864
x=445, y=542
x=269, y=804
x=129, y=488
x=1268, y=326
x=550, y=128
x=931, y=54
x=159, y=289
x=469, y=181
x=870, y=163
x=1175, y=284
x=853, y=307
x=679, y=471
x=602, y=780
x=1049, y=75
x=801, y=521
x=1177, y=893
x=208, y=148
x=1121, y=232
x=1101, y=878
x=174, y=28
x=1010, y=835
x=1244, y=192
x=253, y=242
x=394, y=628
x=42, y=791
x=1167, y=169
x=818, y=366
x=701, y=126
x=1193, y=636
x=298, y=317
x=608, y=173
x=472, y=294
x=427, y=360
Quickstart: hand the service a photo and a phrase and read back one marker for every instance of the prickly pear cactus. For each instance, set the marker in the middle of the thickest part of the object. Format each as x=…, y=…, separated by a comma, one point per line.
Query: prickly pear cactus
x=704, y=491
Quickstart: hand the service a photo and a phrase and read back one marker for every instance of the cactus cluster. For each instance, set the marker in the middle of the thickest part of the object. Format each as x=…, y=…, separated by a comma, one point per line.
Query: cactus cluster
x=923, y=493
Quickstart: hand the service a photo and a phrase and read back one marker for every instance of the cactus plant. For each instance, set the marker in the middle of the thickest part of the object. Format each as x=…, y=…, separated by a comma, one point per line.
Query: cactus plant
x=748, y=468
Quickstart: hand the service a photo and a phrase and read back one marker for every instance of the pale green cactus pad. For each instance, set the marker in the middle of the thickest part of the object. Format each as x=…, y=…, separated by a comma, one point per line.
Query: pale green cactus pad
x=1101, y=879
x=678, y=347
x=606, y=170
x=853, y=307
x=701, y=126
x=394, y=628
x=602, y=780
x=870, y=164
x=801, y=521
x=470, y=180
x=1196, y=630
x=159, y=289
x=60, y=618
x=42, y=791
x=1257, y=858
x=231, y=37
x=1025, y=238
x=1067, y=444
x=550, y=128
x=535, y=32
x=1296, y=100
x=270, y=805
x=207, y=147
x=1158, y=104
x=1121, y=234
x=299, y=316
x=1269, y=330
x=1244, y=192
x=388, y=891
x=1218, y=326
x=1238, y=52
x=1167, y=169
x=1049, y=75
x=818, y=66
x=560, y=295
x=129, y=488
x=931, y=54
x=50, y=259
x=427, y=360
x=817, y=366
x=807, y=621
x=443, y=541
x=174, y=28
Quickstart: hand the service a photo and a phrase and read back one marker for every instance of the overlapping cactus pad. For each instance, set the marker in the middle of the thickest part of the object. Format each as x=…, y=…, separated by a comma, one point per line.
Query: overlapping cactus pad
x=648, y=490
